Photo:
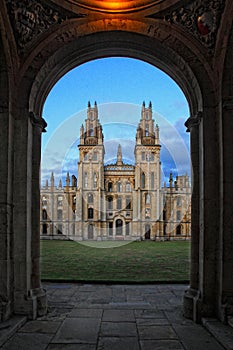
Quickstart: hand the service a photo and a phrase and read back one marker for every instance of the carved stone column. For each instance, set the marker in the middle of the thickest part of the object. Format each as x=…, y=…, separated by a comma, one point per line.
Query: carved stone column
x=191, y=295
x=226, y=253
x=38, y=126
x=29, y=299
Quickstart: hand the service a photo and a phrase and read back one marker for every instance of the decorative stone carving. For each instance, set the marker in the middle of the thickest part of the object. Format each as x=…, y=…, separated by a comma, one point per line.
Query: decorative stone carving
x=40, y=122
x=193, y=121
x=31, y=18
x=201, y=18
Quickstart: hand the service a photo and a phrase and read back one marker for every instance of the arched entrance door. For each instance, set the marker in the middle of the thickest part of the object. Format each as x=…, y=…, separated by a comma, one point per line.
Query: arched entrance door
x=147, y=231
x=119, y=227
x=90, y=232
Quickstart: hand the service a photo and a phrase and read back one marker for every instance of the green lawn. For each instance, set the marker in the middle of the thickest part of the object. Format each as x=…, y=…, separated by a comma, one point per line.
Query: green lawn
x=133, y=262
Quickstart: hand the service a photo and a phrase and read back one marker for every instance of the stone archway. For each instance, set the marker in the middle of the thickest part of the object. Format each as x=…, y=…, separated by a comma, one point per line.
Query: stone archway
x=70, y=36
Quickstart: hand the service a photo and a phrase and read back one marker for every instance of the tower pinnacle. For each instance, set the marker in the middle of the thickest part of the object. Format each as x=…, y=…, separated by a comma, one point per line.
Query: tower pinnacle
x=119, y=155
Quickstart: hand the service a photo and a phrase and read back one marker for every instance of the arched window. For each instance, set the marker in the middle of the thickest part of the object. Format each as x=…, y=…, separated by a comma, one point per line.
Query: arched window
x=110, y=202
x=44, y=214
x=91, y=130
x=147, y=232
x=147, y=130
x=178, y=230
x=59, y=214
x=95, y=156
x=128, y=203
x=44, y=229
x=90, y=213
x=119, y=203
x=128, y=187
x=110, y=187
x=90, y=198
x=119, y=187
x=143, y=180
x=59, y=201
x=178, y=201
x=178, y=215
x=147, y=198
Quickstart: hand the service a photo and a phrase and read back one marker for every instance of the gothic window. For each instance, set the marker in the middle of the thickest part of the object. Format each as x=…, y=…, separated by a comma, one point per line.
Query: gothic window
x=95, y=180
x=147, y=198
x=90, y=198
x=85, y=180
x=152, y=180
x=59, y=214
x=147, y=130
x=164, y=215
x=152, y=156
x=178, y=215
x=110, y=187
x=119, y=187
x=119, y=227
x=143, y=155
x=143, y=180
x=95, y=156
x=178, y=230
x=147, y=116
x=178, y=201
x=90, y=213
x=44, y=214
x=147, y=213
x=119, y=203
x=59, y=229
x=85, y=156
x=59, y=201
x=128, y=187
x=91, y=130
x=128, y=203
x=110, y=202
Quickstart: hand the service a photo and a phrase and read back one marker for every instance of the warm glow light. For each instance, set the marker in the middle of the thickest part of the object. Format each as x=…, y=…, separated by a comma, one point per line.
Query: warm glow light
x=117, y=6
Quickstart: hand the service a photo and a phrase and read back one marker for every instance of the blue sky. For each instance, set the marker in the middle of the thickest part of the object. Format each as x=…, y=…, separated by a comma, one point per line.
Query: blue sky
x=119, y=85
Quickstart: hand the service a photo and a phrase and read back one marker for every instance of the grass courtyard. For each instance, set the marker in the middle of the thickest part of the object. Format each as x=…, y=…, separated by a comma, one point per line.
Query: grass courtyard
x=132, y=262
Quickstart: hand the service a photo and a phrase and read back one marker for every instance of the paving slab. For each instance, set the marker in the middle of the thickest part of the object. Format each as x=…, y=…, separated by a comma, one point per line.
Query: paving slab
x=78, y=330
x=116, y=343
x=48, y=327
x=9, y=327
x=71, y=347
x=196, y=337
x=156, y=332
x=118, y=329
x=31, y=341
x=152, y=321
x=118, y=315
x=162, y=345
x=149, y=313
x=87, y=313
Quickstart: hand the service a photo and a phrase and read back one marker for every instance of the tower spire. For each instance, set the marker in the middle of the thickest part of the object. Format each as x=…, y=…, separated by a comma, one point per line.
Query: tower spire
x=119, y=155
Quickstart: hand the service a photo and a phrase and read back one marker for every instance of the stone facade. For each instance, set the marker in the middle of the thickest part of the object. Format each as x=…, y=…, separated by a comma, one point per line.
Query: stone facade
x=117, y=201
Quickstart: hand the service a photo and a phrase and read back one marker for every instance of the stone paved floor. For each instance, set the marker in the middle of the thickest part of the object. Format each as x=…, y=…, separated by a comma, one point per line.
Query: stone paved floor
x=121, y=317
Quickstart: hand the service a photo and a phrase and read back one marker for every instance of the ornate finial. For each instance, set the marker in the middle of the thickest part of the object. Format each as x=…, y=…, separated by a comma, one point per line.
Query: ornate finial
x=150, y=104
x=60, y=184
x=143, y=104
x=89, y=104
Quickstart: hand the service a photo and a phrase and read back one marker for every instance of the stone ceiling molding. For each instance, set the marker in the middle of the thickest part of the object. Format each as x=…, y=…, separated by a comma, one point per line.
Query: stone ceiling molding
x=200, y=18
x=31, y=18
